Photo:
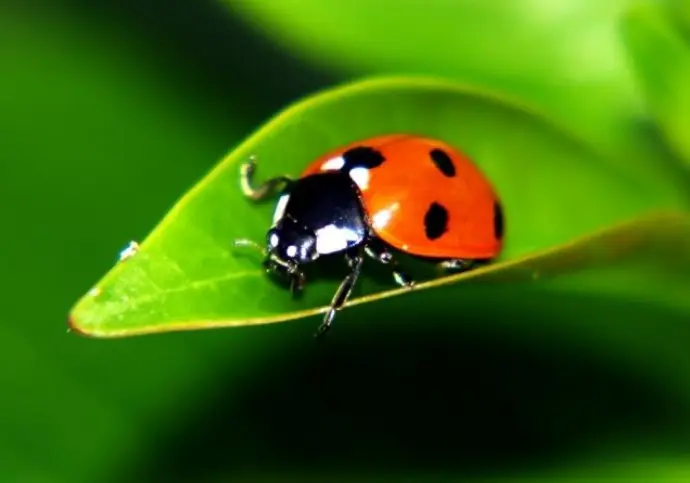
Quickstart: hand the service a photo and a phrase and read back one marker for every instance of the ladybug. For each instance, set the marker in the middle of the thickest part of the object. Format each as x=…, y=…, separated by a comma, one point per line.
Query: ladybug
x=398, y=192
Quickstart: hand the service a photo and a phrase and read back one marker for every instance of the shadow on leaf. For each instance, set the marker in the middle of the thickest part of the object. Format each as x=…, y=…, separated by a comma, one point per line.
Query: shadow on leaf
x=495, y=390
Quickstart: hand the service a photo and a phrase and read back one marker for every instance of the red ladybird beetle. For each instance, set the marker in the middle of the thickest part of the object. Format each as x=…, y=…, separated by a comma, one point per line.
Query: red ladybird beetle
x=399, y=192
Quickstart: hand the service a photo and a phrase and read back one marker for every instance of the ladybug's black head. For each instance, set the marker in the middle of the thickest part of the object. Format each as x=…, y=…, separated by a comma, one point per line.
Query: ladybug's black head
x=290, y=244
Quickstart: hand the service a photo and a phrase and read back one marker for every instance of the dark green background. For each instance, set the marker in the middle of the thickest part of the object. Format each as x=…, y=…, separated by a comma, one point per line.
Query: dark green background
x=109, y=111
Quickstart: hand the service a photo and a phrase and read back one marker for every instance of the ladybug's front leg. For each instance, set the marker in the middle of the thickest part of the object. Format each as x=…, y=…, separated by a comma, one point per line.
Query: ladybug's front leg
x=266, y=189
x=376, y=250
x=297, y=281
x=354, y=263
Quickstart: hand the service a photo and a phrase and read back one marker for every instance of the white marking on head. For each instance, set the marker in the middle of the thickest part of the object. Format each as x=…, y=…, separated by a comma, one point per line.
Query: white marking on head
x=274, y=240
x=280, y=207
x=334, y=164
x=332, y=239
x=361, y=177
x=291, y=251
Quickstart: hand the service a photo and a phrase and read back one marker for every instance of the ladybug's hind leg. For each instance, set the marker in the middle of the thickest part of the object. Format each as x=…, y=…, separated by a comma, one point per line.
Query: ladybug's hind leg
x=456, y=265
x=376, y=250
x=354, y=263
x=265, y=190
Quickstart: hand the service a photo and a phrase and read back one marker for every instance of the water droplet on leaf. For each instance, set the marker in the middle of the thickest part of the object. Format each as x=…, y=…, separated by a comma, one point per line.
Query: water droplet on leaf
x=130, y=251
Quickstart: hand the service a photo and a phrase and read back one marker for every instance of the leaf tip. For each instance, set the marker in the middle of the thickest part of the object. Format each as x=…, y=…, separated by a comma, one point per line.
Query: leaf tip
x=78, y=319
x=74, y=327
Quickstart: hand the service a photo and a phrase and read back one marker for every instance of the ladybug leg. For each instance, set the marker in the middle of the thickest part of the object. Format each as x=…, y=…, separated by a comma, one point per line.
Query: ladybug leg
x=354, y=263
x=381, y=254
x=456, y=265
x=297, y=281
x=264, y=190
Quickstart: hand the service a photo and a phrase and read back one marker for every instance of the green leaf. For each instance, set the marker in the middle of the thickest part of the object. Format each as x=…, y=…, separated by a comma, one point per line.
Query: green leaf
x=661, y=59
x=185, y=276
x=679, y=11
x=562, y=56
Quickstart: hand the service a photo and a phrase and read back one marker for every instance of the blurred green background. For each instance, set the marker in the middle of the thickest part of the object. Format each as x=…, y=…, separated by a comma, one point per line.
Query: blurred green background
x=111, y=110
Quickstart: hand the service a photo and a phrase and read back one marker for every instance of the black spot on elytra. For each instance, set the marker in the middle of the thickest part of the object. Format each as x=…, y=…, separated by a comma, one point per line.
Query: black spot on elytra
x=435, y=221
x=443, y=162
x=362, y=157
x=498, y=220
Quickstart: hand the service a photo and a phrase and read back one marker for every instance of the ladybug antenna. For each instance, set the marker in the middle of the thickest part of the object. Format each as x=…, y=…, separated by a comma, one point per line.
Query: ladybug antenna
x=245, y=242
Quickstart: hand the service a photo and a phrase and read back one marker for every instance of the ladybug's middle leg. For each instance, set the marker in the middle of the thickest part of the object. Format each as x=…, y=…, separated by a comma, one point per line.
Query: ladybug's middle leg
x=265, y=190
x=376, y=250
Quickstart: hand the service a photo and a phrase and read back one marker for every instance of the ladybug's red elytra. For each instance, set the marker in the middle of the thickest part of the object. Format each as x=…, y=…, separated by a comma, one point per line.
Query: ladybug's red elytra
x=370, y=198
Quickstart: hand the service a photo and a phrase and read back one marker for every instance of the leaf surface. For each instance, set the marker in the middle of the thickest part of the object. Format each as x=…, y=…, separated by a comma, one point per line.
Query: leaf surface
x=564, y=56
x=556, y=193
x=661, y=58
